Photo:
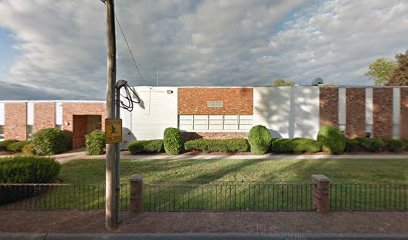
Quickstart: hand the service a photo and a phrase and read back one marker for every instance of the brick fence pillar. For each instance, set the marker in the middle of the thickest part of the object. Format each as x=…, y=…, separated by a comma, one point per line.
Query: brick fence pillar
x=321, y=193
x=136, y=193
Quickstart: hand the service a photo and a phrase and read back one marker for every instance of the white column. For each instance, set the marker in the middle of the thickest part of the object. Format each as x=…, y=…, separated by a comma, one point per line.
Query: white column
x=30, y=113
x=396, y=112
x=342, y=109
x=369, y=110
x=1, y=113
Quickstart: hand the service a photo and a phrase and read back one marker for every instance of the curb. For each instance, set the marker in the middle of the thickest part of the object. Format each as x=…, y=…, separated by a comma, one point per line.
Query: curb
x=200, y=236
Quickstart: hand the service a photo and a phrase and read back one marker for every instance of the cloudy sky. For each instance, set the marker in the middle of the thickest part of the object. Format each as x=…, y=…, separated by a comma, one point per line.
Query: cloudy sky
x=56, y=49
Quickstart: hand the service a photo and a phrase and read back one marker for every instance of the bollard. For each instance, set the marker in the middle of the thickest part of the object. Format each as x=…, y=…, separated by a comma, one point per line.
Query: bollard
x=136, y=193
x=321, y=193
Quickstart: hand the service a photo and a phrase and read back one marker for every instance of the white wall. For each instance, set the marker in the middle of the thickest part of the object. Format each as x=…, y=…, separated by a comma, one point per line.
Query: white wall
x=148, y=120
x=288, y=112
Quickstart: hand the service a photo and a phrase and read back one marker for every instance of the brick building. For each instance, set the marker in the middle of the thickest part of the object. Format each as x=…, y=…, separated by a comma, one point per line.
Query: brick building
x=223, y=112
x=20, y=119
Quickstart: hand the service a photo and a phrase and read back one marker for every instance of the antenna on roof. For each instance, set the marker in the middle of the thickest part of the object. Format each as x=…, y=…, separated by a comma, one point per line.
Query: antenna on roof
x=317, y=81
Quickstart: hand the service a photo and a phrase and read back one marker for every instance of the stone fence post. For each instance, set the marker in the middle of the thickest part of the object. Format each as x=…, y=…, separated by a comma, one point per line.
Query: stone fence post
x=136, y=193
x=321, y=193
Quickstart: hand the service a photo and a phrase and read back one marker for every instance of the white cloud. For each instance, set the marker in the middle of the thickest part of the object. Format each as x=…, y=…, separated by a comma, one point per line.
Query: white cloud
x=62, y=45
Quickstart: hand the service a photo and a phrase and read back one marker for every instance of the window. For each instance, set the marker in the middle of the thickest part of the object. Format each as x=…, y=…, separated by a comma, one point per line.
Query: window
x=215, y=122
x=1, y=132
x=58, y=126
x=29, y=132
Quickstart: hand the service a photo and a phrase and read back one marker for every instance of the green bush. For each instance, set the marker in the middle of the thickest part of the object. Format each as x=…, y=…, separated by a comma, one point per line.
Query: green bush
x=28, y=149
x=295, y=145
x=4, y=144
x=372, y=144
x=50, y=141
x=95, y=143
x=259, y=139
x=353, y=145
x=17, y=146
x=146, y=146
x=405, y=143
x=218, y=145
x=25, y=169
x=173, y=142
x=395, y=145
x=332, y=139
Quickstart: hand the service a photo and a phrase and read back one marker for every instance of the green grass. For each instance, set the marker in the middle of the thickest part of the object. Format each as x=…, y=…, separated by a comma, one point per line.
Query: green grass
x=200, y=188
x=208, y=171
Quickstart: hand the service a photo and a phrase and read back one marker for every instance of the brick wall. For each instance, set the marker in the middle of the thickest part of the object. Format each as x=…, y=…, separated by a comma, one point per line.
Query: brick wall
x=77, y=109
x=213, y=135
x=235, y=100
x=382, y=112
x=355, y=112
x=404, y=113
x=329, y=100
x=15, y=121
x=44, y=116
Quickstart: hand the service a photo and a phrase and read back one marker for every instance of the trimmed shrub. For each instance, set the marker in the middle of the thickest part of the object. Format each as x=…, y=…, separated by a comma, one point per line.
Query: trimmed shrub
x=24, y=169
x=50, y=141
x=173, y=142
x=17, y=146
x=372, y=144
x=296, y=145
x=395, y=145
x=146, y=146
x=405, y=142
x=259, y=139
x=352, y=145
x=332, y=139
x=95, y=143
x=218, y=145
x=4, y=144
x=28, y=149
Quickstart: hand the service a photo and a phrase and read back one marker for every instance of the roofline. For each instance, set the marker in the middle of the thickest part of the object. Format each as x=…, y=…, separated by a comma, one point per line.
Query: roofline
x=335, y=86
x=59, y=101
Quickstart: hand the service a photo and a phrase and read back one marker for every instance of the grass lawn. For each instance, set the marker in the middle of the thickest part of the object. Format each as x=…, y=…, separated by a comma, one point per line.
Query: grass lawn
x=208, y=171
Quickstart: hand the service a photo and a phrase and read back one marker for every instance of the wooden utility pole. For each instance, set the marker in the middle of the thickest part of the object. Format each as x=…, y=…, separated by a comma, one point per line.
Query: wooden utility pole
x=111, y=210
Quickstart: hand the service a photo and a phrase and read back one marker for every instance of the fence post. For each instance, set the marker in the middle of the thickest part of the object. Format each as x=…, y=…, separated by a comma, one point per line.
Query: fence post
x=321, y=193
x=136, y=193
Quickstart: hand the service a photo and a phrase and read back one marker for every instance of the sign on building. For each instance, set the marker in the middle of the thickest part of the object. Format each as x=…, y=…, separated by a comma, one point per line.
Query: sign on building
x=215, y=104
x=113, y=130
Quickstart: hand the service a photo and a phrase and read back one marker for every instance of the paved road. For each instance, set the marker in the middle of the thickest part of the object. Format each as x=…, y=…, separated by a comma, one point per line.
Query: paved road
x=198, y=236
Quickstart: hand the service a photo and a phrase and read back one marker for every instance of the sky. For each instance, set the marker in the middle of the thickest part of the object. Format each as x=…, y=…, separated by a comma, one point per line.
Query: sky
x=56, y=49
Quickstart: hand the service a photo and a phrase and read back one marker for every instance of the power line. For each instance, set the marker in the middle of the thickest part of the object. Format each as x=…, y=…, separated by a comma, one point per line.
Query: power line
x=130, y=51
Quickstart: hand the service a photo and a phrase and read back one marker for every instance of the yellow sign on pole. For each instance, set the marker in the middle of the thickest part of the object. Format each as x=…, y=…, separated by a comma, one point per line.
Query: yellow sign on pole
x=113, y=130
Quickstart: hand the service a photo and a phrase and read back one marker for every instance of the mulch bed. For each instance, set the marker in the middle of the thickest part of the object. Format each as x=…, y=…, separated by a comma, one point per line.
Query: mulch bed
x=165, y=222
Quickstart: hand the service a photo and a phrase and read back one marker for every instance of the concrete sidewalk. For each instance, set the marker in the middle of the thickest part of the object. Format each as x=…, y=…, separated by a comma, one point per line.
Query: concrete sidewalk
x=80, y=154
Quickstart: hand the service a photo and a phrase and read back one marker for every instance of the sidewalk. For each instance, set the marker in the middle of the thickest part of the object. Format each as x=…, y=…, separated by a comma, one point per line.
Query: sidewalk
x=80, y=154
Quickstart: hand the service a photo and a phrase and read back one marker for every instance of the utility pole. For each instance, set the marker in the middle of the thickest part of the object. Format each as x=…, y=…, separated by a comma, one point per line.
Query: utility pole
x=111, y=209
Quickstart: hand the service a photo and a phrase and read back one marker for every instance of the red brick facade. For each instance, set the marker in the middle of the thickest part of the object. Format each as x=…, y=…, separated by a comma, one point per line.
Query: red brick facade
x=213, y=135
x=404, y=113
x=355, y=112
x=73, y=111
x=236, y=101
x=329, y=101
x=15, y=121
x=382, y=112
x=44, y=115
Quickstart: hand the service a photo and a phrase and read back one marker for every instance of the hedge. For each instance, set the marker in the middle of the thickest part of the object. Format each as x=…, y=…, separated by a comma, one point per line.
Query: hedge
x=332, y=139
x=295, y=145
x=4, y=144
x=173, y=142
x=28, y=149
x=95, y=143
x=259, y=139
x=372, y=144
x=17, y=146
x=218, y=145
x=395, y=145
x=146, y=146
x=50, y=141
x=26, y=169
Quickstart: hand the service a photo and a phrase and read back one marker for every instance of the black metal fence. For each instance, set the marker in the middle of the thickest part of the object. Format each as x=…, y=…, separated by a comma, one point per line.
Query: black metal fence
x=368, y=197
x=220, y=196
x=228, y=196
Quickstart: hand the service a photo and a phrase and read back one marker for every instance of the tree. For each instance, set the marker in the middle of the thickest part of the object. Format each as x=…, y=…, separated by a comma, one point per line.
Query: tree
x=381, y=71
x=281, y=83
x=400, y=75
